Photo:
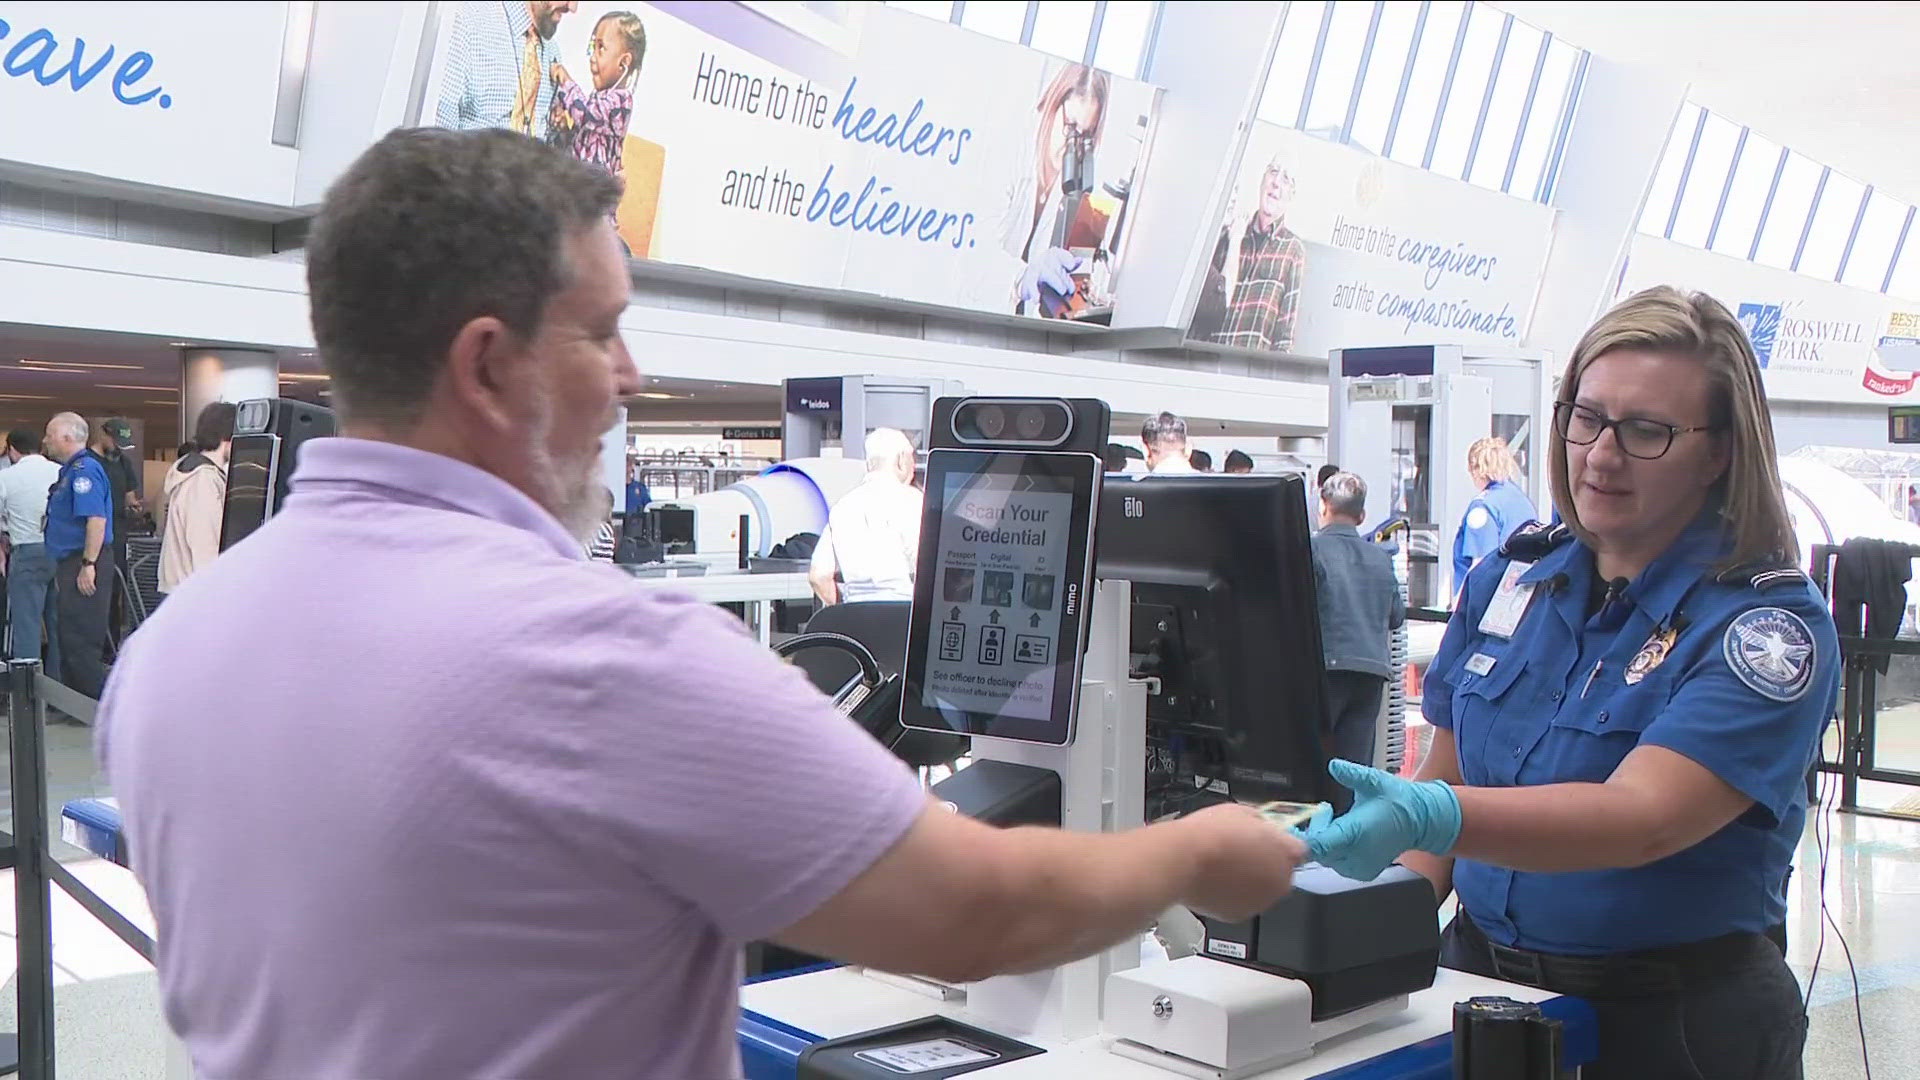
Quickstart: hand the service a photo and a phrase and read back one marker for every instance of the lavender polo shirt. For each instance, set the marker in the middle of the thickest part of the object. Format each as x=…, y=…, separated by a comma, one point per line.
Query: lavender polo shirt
x=417, y=791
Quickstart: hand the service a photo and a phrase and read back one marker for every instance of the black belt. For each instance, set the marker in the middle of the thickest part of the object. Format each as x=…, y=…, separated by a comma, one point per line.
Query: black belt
x=1647, y=973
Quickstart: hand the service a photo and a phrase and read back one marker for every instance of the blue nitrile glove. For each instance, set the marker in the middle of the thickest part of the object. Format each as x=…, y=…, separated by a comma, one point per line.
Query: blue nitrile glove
x=1053, y=268
x=1389, y=816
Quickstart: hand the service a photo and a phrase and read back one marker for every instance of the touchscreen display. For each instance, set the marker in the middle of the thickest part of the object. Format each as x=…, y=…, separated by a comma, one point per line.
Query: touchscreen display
x=249, y=482
x=999, y=600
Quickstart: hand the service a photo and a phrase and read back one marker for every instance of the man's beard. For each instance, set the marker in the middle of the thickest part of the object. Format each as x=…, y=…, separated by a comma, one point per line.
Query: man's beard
x=571, y=491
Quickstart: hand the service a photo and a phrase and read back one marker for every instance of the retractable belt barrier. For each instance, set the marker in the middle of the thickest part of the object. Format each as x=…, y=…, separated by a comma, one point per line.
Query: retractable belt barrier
x=36, y=871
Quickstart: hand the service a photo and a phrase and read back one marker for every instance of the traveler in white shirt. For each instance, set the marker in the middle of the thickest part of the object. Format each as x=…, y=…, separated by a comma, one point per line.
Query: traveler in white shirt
x=1165, y=437
x=873, y=534
x=23, y=512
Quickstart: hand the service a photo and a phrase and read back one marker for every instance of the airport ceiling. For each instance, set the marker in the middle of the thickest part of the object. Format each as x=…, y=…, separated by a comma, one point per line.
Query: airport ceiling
x=1833, y=81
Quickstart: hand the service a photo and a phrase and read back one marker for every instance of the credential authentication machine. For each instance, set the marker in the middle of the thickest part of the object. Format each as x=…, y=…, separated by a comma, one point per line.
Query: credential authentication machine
x=1119, y=651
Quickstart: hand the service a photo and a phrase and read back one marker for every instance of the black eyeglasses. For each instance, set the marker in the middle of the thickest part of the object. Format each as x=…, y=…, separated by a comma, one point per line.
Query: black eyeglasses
x=1636, y=437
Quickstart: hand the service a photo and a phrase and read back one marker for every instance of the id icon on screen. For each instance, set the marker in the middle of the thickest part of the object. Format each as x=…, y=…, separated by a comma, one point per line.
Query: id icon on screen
x=993, y=643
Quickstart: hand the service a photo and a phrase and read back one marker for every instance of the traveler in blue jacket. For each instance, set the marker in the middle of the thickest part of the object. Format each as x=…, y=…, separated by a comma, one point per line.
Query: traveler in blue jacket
x=1501, y=507
x=1625, y=709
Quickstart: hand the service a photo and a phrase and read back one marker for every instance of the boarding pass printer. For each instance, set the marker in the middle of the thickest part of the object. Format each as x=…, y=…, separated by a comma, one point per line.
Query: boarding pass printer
x=1112, y=667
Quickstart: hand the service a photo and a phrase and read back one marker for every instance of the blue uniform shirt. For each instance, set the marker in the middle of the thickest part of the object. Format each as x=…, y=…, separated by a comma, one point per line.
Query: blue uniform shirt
x=1495, y=514
x=637, y=497
x=81, y=492
x=1744, y=687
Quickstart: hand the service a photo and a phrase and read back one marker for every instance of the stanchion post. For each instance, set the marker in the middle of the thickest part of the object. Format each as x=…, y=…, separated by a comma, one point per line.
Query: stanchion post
x=33, y=925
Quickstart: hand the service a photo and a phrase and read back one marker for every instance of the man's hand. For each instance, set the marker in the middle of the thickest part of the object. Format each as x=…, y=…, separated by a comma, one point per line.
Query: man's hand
x=1247, y=862
x=1390, y=817
x=85, y=580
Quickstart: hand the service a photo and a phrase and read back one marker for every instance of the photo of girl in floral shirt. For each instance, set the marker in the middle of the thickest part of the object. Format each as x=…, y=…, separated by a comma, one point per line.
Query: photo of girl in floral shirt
x=593, y=124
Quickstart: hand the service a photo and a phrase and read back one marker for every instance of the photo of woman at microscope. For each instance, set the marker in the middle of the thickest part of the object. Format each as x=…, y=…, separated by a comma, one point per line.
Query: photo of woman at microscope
x=1064, y=222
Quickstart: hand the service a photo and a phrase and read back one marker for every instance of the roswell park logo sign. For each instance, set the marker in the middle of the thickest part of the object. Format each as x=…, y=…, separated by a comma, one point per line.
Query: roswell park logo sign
x=1786, y=341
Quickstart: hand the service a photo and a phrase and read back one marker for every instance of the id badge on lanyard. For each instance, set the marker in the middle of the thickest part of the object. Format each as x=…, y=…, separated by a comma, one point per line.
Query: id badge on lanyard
x=1509, y=603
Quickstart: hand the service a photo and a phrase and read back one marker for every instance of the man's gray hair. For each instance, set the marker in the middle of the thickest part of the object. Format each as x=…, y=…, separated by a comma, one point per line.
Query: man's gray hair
x=1346, y=494
x=69, y=425
x=885, y=447
x=1163, y=428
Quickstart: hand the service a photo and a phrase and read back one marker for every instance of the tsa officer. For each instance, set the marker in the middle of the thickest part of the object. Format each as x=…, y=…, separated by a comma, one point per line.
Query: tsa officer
x=1625, y=707
x=79, y=523
x=1497, y=512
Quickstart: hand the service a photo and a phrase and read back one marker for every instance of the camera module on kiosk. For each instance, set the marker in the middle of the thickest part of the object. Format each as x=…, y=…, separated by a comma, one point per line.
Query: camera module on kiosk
x=1039, y=422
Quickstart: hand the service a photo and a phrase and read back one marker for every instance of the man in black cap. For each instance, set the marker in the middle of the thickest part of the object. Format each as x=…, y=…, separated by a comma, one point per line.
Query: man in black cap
x=111, y=443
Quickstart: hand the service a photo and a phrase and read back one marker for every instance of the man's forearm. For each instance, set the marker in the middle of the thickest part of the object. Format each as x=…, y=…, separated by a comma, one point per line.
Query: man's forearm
x=96, y=538
x=823, y=586
x=1095, y=892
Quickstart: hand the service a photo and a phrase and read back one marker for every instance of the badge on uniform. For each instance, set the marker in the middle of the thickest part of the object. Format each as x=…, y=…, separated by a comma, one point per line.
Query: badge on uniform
x=1509, y=603
x=1771, y=650
x=82, y=485
x=1652, y=654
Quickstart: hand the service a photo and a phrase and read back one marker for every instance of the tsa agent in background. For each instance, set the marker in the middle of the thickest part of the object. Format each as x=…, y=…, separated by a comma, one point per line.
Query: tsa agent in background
x=1625, y=708
x=1493, y=515
x=79, y=527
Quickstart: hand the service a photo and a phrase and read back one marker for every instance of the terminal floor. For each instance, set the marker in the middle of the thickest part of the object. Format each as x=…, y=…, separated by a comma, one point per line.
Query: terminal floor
x=108, y=1022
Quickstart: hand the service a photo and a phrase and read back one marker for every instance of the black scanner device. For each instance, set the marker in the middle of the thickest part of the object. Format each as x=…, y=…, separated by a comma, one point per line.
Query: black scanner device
x=1352, y=942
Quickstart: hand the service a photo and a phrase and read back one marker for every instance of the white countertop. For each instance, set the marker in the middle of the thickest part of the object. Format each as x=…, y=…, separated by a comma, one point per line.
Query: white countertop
x=842, y=1001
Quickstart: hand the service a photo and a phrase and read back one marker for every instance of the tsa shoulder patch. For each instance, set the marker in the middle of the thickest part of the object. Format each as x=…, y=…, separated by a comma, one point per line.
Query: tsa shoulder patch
x=1772, y=651
x=82, y=485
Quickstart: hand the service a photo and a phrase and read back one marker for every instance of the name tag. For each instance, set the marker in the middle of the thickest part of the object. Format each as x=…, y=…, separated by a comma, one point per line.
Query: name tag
x=1509, y=603
x=1479, y=664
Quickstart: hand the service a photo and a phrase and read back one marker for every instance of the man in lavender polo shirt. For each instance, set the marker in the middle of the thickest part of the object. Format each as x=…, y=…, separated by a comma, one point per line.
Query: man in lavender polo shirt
x=417, y=791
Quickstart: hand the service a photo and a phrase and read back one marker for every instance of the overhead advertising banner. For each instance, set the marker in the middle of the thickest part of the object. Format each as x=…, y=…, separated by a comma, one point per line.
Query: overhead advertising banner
x=1327, y=247
x=148, y=93
x=1816, y=340
x=841, y=146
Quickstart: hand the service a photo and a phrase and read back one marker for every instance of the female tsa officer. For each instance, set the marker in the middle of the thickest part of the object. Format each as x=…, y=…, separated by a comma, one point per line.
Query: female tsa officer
x=1625, y=708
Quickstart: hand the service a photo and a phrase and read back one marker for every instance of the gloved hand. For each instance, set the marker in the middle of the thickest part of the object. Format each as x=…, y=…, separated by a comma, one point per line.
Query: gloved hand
x=1053, y=268
x=1389, y=816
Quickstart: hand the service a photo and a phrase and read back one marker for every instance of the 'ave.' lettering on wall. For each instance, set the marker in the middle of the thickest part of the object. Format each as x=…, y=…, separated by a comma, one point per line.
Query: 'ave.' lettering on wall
x=41, y=56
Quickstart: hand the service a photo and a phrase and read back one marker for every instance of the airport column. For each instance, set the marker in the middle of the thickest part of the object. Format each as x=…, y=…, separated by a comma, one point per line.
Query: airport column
x=1210, y=61
x=613, y=458
x=209, y=375
x=1612, y=150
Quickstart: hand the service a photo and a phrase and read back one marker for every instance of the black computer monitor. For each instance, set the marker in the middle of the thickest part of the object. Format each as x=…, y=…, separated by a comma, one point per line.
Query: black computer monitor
x=1225, y=617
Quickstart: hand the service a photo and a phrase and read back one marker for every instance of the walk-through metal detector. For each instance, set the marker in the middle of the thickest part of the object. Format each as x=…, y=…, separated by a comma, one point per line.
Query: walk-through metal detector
x=1402, y=418
x=820, y=414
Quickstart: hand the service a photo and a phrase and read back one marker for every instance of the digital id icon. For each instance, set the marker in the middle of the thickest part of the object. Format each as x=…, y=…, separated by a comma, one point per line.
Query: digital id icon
x=1028, y=649
x=993, y=644
x=953, y=641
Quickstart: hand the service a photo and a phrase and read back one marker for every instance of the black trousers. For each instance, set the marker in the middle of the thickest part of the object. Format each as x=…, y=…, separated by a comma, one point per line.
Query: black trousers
x=83, y=625
x=1353, y=717
x=1740, y=1019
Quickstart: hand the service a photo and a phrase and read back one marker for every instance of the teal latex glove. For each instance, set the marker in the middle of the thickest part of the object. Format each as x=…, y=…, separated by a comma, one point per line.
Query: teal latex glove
x=1390, y=816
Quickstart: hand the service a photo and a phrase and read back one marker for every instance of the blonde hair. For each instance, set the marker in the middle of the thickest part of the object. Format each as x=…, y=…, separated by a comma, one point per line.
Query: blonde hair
x=1490, y=459
x=1696, y=327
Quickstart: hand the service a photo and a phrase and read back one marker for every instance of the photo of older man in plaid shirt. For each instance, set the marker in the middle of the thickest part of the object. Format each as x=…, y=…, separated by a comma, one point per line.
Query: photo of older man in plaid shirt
x=1266, y=291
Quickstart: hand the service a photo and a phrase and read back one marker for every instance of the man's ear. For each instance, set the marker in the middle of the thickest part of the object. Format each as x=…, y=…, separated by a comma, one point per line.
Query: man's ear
x=483, y=363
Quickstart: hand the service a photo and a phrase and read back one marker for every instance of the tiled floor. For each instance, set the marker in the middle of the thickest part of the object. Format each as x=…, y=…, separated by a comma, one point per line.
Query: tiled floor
x=109, y=1025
